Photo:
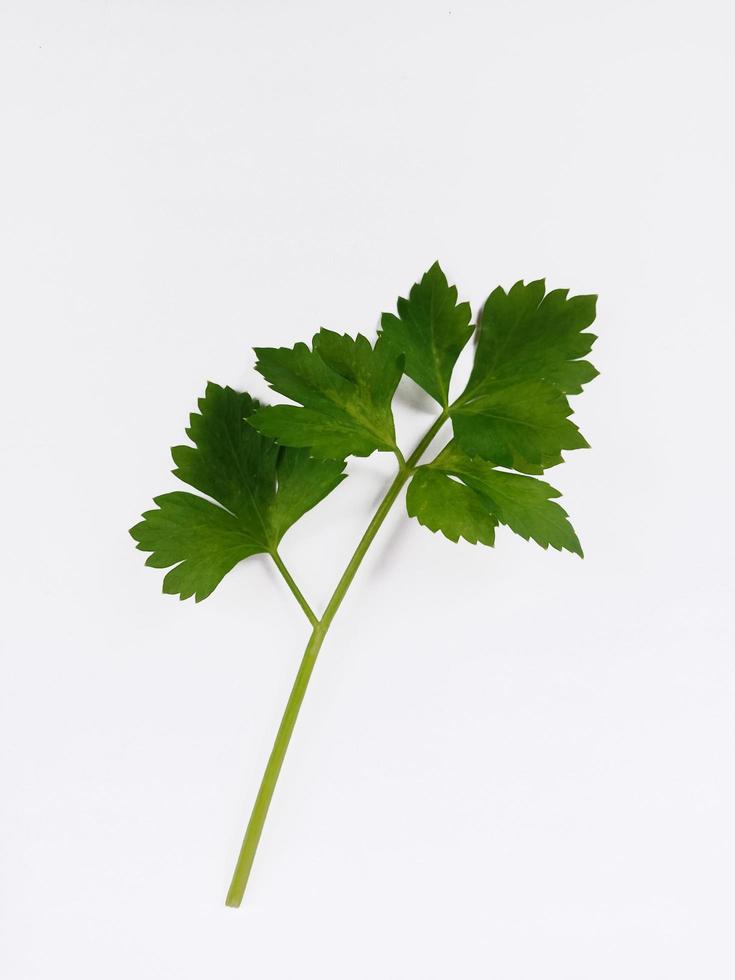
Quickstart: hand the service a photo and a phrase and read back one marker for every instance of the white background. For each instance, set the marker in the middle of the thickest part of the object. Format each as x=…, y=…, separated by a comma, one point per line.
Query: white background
x=511, y=764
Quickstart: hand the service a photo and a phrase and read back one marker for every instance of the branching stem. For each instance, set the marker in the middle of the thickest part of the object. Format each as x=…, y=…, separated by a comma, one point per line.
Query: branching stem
x=288, y=578
x=320, y=628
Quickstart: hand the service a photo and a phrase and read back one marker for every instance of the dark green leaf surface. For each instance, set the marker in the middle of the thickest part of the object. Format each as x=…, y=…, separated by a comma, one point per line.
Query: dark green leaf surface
x=260, y=489
x=514, y=411
x=522, y=426
x=488, y=495
x=529, y=334
x=431, y=330
x=345, y=388
x=201, y=539
x=443, y=504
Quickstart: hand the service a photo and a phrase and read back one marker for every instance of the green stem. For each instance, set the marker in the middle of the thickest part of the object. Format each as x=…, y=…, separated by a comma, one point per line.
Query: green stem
x=381, y=513
x=272, y=771
x=285, y=730
x=288, y=578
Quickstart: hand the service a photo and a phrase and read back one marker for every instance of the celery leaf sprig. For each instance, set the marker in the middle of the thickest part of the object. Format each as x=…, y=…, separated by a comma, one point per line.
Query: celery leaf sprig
x=262, y=467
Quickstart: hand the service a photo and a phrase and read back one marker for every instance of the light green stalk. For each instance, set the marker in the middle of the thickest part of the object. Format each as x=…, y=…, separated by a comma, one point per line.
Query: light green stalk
x=320, y=628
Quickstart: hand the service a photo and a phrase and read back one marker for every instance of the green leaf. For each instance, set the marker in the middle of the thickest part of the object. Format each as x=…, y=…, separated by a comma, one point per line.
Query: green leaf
x=260, y=490
x=522, y=503
x=514, y=411
x=442, y=503
x=345, y=388
x=228, y=461
x=431, y=330
x=526, y=335
x=202, y=540
x=522, y=426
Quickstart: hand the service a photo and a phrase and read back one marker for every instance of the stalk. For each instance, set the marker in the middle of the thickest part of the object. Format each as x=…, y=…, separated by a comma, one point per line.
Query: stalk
x=298, y=594
x=285, y=730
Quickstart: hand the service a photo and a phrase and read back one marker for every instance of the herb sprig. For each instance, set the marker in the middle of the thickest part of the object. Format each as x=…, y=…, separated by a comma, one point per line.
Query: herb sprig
x=262, y=467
